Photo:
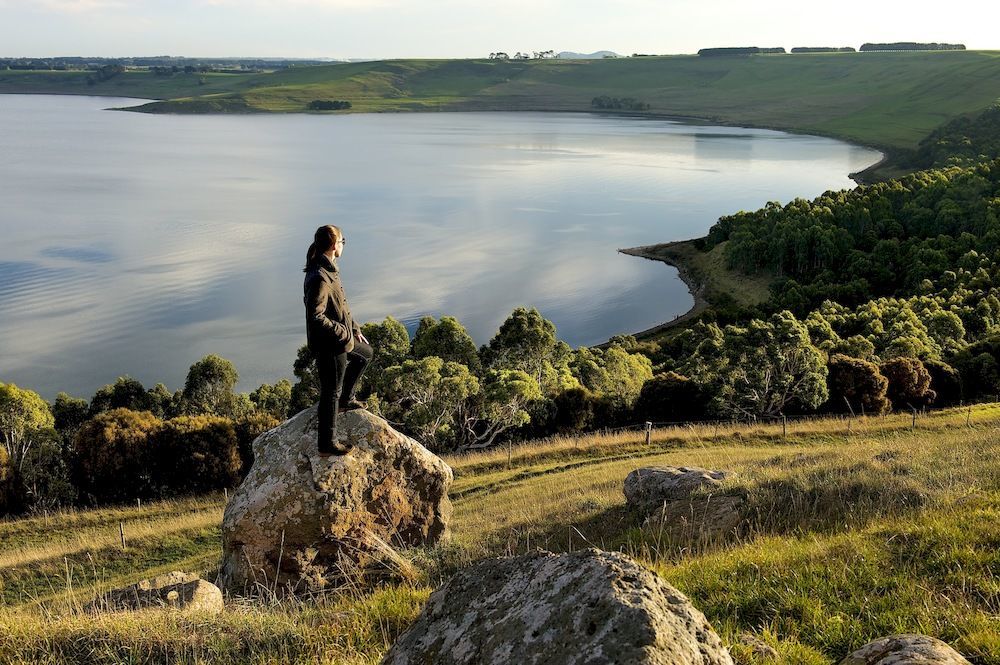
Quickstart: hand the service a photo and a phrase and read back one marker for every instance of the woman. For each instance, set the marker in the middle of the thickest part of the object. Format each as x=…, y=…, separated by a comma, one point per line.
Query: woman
x=342, y=353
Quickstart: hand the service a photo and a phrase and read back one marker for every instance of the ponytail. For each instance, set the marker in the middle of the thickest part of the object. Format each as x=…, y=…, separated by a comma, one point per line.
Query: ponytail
x=310, y=257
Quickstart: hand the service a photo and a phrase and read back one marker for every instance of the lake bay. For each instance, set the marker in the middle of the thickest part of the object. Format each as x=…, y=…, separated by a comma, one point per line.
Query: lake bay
x=136, y=244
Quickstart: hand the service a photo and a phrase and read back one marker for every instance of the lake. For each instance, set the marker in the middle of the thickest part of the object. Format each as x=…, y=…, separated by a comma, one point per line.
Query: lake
x=136, y=244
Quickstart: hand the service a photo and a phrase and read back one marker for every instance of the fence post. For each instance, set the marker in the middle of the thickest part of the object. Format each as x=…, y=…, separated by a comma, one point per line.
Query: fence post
x=121, y=531
x=784, y=427
x=649, y=431
x=913, y=425
x=968, y=417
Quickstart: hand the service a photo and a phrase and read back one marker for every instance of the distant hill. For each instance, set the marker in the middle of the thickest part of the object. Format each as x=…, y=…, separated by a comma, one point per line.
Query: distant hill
x=890, y=100
x=596, y=55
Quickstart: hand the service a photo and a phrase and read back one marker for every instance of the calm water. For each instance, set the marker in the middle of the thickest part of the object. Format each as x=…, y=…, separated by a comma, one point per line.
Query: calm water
x=136, y=244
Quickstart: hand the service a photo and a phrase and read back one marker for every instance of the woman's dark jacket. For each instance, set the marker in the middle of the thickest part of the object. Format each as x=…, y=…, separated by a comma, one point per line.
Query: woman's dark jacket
x=329, y=325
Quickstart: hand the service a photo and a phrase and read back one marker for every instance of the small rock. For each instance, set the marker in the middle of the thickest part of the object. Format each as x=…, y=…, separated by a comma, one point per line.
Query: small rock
x=681, y=502
x=311, y=521
x=905, y=650
x=182, y=591
x=757, y=646
x=587, y=607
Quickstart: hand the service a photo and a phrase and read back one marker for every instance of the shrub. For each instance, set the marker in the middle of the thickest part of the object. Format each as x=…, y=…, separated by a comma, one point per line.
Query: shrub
x=858, y=385
x=45, y=477
x=945, y=381
x=112, y=455
x=6, y=483
x=670, y=397
x=247, y=429
x=574, y=410
x=909, y=383
x=196, y=454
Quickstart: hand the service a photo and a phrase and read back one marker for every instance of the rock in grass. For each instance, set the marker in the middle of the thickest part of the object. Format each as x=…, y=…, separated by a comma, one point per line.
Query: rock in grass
x=559, y=609
x=182, y=591
x=300, y=521
x=684, y=501
x=905, y=650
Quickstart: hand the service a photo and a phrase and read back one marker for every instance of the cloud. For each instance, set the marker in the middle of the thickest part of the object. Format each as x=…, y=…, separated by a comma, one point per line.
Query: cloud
x=68, y=6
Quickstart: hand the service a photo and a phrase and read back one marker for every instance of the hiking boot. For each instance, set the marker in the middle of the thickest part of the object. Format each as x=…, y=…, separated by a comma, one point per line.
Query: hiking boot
x=336, y=448
x=351, y=405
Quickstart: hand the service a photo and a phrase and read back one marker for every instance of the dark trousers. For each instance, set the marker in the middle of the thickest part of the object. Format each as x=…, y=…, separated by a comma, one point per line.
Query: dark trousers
x=338, y=377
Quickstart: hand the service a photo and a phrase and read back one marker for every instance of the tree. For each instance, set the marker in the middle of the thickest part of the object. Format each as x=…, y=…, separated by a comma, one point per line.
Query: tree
x=68, y=414
x=574, y=410
x=429, y=395
x=209, y=387
x=448, y=340
x=857, y=385
x=909, y=383
x=946, y=382
x=124, y=393
x=390, y=341
x=506, y=397
x=7, y=497
x=612, y=373
x=305, y=392
x=525, y=341
x=112, y=453
x=196, y=454
x=45, y=478
x=670, y=397
x=273, y=400
x=769, y=367
x=24, y=416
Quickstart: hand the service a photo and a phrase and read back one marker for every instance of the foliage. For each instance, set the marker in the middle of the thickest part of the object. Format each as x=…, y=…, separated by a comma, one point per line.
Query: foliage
x=390, y=343
x=46, y=478
x=7, y=498
x=196, y=454
x=447, y=339
x=24, y=415
x=209, y=387
x=946, y=382
x=857, y=385
x=305, y=392
x=248, y=428
x=113, y=456
x=273, y=400
x=612, y=373
x=429, y=395
x=909, y=383
x=574, y=410
x=670, y=397
x=506, y=397
x=124, y=393
x=69, y=413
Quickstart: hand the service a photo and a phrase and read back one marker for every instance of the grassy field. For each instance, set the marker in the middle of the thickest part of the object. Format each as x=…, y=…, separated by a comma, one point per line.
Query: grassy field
x=857, y=529
x=891, y=100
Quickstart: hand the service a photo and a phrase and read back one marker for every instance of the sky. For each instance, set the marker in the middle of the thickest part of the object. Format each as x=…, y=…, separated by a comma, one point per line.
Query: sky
x=472, y=28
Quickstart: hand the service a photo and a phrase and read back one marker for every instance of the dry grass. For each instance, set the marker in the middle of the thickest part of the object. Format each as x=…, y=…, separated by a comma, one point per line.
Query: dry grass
x=856, y=529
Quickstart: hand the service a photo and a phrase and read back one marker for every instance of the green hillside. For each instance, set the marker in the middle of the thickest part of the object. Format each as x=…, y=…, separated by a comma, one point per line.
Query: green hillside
x=860, y=528
x=891, y=100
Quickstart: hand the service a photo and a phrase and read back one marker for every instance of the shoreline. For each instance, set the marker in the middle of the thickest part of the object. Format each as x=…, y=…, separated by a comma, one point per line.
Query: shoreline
x=696, y=287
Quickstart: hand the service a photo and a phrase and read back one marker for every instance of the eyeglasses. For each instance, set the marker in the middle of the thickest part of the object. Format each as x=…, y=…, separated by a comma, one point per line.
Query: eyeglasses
x=342, y=240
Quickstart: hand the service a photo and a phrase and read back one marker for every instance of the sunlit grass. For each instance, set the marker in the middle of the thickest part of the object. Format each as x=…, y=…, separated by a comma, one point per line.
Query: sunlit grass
x=855, y=529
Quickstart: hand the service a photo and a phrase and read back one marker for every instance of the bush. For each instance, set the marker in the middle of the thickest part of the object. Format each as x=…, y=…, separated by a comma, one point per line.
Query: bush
x=670, y=397
x=909, y=383
x=857, y=385
x=112, y=456
x=45, y=477
x=574, y=410
x=7, y=503
x=945, y=381
x=247, y=429
x=196, y=454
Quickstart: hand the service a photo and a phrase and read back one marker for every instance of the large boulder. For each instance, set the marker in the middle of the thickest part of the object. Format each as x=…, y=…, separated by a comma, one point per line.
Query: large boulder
x=177, y=590
x=559, y=609
x=685, y=502
x=905, y=650
x=300, y=521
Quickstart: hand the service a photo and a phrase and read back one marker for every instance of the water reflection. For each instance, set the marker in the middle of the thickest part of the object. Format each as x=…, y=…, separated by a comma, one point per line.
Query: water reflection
x=136, y=244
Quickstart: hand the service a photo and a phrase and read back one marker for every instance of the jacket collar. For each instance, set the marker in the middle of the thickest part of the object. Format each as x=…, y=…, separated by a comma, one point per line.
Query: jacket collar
x=326, y=263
